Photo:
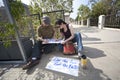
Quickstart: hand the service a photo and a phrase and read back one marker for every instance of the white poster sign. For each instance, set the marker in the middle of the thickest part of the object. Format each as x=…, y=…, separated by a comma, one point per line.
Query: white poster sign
x=53, y=41
x=64, y=65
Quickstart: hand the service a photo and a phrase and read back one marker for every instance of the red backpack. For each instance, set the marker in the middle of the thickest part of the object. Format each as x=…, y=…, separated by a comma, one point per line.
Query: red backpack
x=69, y=48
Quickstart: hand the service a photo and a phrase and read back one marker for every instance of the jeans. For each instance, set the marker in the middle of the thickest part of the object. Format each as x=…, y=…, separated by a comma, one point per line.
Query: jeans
x=36, y=50
x=77, y=38
x=38, y=47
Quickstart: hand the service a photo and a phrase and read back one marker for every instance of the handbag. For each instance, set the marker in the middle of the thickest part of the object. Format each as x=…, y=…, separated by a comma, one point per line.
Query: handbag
x=69, y=48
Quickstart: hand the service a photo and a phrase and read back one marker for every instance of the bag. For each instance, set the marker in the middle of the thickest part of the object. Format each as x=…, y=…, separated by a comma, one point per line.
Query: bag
x=69, y=48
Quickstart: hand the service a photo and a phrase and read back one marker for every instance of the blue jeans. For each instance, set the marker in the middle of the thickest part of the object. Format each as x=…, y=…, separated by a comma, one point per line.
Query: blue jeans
x=77, y=38
x=38, y=47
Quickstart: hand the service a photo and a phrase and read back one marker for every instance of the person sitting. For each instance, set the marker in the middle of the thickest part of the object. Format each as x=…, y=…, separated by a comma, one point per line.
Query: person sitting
x=45, y=31
x=69, y=35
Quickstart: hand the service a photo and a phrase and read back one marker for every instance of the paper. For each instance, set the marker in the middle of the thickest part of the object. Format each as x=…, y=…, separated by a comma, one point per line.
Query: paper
x=54, y=41
x=64, y=65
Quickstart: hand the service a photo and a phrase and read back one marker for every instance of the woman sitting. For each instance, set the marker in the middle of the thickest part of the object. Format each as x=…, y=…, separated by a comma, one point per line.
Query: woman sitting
x=69, y=35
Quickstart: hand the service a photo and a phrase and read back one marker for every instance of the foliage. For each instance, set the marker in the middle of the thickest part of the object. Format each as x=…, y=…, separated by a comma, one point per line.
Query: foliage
x=39, y=6
x=106, y=7
x=99, y=9
x=51, y=5
x=83, y=12
x=6, y=33
x=77, y=18
x=92, y=2
x=7, y=30
x=116, y=6
x=16, y=9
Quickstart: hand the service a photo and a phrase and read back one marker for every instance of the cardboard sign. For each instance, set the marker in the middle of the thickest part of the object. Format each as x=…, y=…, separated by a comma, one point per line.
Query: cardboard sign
x=64, y=65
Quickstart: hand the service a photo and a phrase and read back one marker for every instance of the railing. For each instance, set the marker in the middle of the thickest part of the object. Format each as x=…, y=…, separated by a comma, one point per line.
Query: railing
x=112, y=21
x=93, y=21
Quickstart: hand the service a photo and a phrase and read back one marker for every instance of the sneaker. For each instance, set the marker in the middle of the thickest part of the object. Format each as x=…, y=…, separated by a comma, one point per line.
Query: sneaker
x=30, y=64
x=79, y=55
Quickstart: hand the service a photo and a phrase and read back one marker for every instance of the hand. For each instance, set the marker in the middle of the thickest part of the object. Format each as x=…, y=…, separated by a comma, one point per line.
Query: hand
x=63, y=42
x=45, y=41
x=57, y=39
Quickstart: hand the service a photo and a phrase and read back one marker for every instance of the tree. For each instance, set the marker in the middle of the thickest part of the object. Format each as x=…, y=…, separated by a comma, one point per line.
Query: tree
x=115, y=6
x=39, y=6
x=7, y=30
x=106, y=7
x=99, y=9
x=51, y=5
x=83, y=11
x=92, y=2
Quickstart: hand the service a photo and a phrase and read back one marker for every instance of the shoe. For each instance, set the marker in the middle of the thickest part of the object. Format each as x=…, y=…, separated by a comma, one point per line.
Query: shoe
x=30, y=64
x=79, y=56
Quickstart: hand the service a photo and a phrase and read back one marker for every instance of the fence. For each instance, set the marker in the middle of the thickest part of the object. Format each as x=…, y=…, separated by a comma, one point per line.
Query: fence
x=112, y=21
x=93, y=21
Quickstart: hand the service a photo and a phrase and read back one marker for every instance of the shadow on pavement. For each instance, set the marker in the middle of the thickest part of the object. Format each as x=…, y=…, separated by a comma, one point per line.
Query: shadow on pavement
x=92, y=73
x=39, y=72
x=93, y=52
x=88, y=51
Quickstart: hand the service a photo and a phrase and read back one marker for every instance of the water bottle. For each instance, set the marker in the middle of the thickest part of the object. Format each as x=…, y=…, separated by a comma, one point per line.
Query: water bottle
x=83, y=61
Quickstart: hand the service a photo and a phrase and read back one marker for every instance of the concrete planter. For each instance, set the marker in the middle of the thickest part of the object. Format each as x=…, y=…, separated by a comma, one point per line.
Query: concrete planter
x=13, y=53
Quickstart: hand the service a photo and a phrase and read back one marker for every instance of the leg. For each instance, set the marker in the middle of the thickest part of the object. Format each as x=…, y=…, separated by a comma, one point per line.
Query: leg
x=78, y=39
x=37, y=50
x=60, y=47
x=48, y=48
x=36, y=55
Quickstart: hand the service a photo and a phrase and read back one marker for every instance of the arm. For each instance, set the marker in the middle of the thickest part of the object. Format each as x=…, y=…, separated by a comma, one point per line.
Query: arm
x=39, y=37
x=72, y=34
x=44, y=41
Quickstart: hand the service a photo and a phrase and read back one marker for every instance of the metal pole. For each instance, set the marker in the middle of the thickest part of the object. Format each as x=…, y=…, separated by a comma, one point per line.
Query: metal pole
x=12, y=21
x=63, y=15
x=39, y=17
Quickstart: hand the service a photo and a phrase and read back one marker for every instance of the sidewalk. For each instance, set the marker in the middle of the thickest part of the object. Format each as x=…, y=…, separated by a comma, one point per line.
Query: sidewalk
x=101, y=46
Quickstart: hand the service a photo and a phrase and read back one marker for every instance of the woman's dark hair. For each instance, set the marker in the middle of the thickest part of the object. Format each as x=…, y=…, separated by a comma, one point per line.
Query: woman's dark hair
x=59, y=22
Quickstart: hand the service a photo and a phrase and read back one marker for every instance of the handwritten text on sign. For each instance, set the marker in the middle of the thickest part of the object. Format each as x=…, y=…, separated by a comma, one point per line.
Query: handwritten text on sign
x=65, y=65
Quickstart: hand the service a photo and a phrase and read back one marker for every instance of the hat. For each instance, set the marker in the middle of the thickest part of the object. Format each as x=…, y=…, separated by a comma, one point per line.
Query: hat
x=46, y=20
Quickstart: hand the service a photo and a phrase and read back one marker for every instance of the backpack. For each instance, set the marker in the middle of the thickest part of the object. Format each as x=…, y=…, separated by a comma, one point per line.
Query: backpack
x=69, y=48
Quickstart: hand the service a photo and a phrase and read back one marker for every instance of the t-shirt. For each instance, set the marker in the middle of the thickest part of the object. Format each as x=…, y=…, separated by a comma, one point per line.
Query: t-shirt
x=46, y=32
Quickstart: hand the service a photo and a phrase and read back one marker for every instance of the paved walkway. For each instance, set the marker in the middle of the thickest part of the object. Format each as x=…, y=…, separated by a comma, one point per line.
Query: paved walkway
x=101, y=46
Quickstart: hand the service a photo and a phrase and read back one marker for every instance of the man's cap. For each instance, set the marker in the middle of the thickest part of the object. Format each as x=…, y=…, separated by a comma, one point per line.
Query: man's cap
x=46, y=20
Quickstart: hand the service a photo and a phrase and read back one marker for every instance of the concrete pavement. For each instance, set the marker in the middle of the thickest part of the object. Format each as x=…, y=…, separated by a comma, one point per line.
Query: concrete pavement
x=101, y=46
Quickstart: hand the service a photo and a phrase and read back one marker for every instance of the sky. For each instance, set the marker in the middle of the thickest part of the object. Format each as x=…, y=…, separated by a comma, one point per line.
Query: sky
x=76, y=4
x=1, y=3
